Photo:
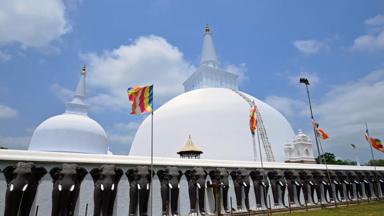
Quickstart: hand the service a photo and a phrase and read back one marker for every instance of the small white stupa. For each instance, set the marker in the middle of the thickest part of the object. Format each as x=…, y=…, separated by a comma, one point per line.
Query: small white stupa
x=300, y=149
x=72, y=131
x=215, y=112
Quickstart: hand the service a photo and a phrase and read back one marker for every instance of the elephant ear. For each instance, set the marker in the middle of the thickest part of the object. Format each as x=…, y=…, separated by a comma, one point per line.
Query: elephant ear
x=95, y=173
x=39, y=172
x=233, y=174
x=54, y=173
x=161, y=174
x=8, y=173
x=130, y=174
x=81, y=173
x=180, y=175
x=119, y=173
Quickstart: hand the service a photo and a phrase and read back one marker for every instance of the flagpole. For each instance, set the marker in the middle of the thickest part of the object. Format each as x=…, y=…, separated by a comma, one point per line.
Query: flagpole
x=152, y=155
x=254, y=148
x=370, y=145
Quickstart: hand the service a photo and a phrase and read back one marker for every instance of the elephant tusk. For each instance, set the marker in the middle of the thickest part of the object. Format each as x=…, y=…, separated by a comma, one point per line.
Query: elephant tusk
x=178, y=186
x=147, y=186
x=381, y=180
x=25, y=187
x=72, y=188
x=11, y=187
x=170, y=186
x=324, y=183
x=346, y=182
x=281, y=183
x=245, y=184
x=356, y=182
x=138, y=186
x=113, y=187
x=60, y=188
x=102, y=187
x=335, y=182
x=310, y=182
x=198, y=185
x=297, y=183
x=366, y=181
x=263, y=183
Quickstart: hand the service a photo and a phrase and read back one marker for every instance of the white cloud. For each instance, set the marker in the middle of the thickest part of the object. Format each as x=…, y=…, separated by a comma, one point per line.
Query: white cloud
x=5, y=56
x=7, y=112
x=377, y=20
x=64, y=94
x=309, y=46
x=369, y=42
x=289, y=107
x=313, y=78
x=373, y=41
x=147, y=60
x=126, y=127
x=32, y=24
x=240, y=70
x=14, y=142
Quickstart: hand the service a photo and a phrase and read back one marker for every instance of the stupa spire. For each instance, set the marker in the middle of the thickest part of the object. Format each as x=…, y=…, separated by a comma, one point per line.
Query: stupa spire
x=208, y=53
x=78, y=105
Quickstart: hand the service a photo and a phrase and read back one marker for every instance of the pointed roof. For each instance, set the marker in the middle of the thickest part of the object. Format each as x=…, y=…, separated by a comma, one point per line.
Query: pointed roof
x=78, y=105
x=208, y=53
x=189, y=147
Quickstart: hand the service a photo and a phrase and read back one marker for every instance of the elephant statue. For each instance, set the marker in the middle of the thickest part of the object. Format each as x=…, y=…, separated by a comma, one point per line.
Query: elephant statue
x=260, y=186
x=241, y=180
x=367, y=184
x=359, y=184
x=291, y=177
x=196, y=181
x=375, y=183
x=139, y=180
x=22, y=182
x=335, y=180
x=315, y=183
x=220, y=185
x=380, y=176
x=302, y=184
x=169, y=182
x=343, y=180
x=350, y=180
x=326, y=181
x=66, y=188
x=278, y=185
x=106, y=179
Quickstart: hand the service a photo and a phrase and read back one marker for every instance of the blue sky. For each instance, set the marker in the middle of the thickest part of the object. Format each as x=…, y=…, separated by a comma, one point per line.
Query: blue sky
x=338, y=45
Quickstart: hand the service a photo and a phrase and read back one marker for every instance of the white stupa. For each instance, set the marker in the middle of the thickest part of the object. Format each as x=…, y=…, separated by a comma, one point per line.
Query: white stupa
x=214, y=114
x=72, y=131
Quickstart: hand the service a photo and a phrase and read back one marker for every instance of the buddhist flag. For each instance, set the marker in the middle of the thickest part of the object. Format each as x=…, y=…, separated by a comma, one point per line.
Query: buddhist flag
x=374, y=142
x=252, y=119
x=321, y=134
x=141, y=99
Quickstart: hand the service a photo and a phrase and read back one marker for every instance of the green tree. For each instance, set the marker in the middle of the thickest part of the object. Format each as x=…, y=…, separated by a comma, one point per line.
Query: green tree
x=379, y=162
x=330, y=158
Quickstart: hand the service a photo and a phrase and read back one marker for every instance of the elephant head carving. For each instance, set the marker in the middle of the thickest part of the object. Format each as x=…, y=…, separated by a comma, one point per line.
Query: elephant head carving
x=326, y=181
x=22, y=182
x=340, y=180
x=278, y=184
x=220, y=183
x=66, y=187
x=291, y=177
x=375, y=183
x=314, y=183
x=240, y=179
x=140, y=182
x=360, y=182
x=169, y=180
x=366, y=179
x=303, y=179
x=106, y=179
x=351, y=179
x=260, y=186
x=196, y=183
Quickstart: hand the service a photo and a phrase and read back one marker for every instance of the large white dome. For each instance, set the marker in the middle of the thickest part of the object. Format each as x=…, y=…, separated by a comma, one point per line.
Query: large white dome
x=69, y=133
x=218, y=121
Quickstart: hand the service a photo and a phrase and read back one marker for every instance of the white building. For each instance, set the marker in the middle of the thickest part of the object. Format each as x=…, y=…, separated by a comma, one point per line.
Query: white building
x=215, y=115
x=299, y=150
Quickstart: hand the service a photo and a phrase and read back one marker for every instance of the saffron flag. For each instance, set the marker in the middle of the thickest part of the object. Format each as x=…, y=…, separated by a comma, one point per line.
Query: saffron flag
x=141, y=99
x=252, y=119
x=374, y=142
x=319, y=131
